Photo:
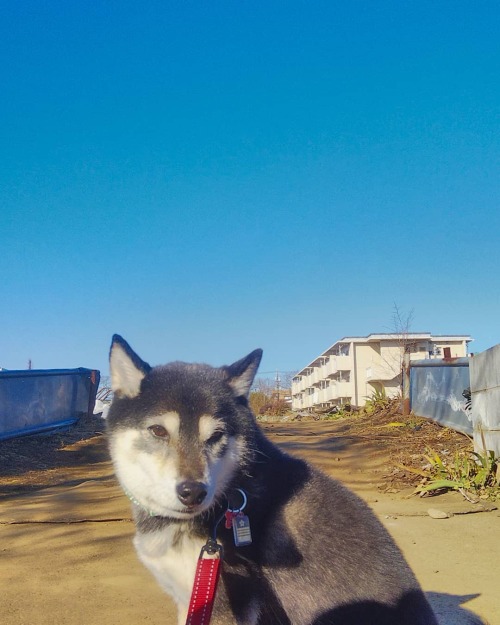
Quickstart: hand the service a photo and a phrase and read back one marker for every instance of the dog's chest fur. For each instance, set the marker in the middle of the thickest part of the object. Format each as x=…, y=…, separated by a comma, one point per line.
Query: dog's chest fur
x=171, y=554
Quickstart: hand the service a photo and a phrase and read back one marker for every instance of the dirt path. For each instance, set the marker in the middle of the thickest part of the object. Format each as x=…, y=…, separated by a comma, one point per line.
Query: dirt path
x=67, y=557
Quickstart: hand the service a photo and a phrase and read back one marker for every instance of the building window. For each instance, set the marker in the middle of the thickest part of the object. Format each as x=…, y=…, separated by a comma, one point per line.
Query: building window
x=410, y=348
x=342, y=376
x=341, y=350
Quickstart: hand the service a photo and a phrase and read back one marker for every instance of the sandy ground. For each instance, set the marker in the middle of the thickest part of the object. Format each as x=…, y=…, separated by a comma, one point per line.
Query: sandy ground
x=67, y=557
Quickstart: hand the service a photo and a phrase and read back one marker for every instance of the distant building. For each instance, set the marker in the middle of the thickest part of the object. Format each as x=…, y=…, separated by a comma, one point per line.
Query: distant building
x=354, y=368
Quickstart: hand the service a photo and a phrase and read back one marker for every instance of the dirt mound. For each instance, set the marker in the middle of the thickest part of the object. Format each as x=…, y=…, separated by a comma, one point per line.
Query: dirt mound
x=405, y=439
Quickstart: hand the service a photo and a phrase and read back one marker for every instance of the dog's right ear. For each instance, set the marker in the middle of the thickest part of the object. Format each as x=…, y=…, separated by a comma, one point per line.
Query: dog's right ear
x=126, y=368
x=242, y=373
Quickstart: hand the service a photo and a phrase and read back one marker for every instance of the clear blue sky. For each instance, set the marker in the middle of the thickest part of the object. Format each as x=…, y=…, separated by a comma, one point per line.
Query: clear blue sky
x=205, y=178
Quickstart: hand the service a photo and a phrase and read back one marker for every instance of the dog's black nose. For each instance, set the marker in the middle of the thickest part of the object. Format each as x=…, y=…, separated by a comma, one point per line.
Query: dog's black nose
x=191, y=493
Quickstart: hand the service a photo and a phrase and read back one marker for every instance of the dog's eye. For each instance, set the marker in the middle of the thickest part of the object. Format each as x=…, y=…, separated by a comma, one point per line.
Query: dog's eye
x=215, y=438
x=158, y=431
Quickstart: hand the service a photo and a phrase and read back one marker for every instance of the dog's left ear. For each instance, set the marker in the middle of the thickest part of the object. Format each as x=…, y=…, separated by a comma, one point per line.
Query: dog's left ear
x=242, y=373
x=126, y=368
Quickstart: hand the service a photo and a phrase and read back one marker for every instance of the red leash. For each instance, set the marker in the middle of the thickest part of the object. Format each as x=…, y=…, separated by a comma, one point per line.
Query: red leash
x=209, y=561
x=205, y=584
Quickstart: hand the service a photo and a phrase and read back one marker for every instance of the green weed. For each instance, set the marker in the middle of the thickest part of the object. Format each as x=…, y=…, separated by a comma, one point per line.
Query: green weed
x=473, y=474
x=377, y=400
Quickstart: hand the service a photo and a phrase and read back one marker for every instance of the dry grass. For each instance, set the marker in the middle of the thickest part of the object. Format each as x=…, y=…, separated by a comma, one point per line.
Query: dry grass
x=405, y=440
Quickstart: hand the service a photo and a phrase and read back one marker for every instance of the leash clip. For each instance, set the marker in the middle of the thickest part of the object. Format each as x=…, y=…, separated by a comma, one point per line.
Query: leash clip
x=211, y=548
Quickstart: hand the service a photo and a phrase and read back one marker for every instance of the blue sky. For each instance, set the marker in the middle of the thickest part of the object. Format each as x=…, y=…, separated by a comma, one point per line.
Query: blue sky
x=205, y=178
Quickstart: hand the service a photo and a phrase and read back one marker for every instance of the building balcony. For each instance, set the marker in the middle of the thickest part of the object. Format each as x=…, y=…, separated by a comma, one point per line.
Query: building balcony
x=326, y=369
x=310, y=400
x=338, y=363
x=345, y=389
x=297, y=401
x=299, y=386
x=316, y=376
x=329, y=368
x=324, y=395
x=305, y=382
x=340, y=389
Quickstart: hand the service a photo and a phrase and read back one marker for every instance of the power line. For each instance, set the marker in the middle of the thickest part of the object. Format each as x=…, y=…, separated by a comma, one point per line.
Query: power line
x=275, y=371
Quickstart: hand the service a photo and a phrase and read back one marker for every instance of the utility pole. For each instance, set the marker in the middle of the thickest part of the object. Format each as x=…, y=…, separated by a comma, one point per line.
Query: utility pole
x=278, y=385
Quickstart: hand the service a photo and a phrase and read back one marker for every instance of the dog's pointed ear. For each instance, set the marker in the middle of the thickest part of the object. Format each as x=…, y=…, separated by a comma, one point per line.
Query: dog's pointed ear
x=242, y=373
x=126, y=368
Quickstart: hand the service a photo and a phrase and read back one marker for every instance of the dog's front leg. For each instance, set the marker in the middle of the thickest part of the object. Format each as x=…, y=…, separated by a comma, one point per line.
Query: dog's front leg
x=248, y=616
x=241, y=608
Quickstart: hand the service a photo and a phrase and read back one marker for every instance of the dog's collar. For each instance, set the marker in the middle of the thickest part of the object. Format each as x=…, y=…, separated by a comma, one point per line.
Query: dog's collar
x=147, y=510
x=151, y=514
x=139, y=504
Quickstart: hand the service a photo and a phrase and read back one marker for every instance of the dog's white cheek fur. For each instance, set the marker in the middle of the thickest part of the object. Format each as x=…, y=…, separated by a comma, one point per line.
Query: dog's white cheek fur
x=149, y=479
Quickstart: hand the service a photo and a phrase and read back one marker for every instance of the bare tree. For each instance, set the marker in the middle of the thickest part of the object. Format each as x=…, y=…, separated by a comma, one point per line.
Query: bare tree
x=276, y=385
x=401, y=329
x=401, y=326
x=286, y=379
x=266, y=386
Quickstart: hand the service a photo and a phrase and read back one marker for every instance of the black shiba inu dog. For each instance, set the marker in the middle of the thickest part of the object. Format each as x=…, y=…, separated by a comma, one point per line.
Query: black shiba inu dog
x=184, y=444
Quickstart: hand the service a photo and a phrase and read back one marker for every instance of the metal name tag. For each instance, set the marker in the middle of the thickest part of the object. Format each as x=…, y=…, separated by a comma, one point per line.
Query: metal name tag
x=241, y=530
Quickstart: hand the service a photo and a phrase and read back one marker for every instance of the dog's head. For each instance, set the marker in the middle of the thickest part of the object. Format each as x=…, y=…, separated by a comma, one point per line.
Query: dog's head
x=178, y=433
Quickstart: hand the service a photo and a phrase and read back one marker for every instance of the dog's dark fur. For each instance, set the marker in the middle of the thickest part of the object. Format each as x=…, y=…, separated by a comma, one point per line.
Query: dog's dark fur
x=319, y=556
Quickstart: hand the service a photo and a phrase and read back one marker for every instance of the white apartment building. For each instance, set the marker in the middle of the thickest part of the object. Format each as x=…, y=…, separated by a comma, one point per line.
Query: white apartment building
x=354, y=368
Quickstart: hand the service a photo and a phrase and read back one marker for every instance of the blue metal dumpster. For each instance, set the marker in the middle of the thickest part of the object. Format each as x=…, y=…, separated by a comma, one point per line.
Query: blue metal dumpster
x=33, y=401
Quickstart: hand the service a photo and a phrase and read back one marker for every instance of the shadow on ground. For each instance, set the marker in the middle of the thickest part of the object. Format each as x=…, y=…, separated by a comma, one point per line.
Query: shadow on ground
x=449, y=610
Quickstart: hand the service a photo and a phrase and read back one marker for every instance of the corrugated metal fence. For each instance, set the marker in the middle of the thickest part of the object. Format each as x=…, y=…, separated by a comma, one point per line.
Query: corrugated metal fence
x=485, y=388
x=436, y=391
